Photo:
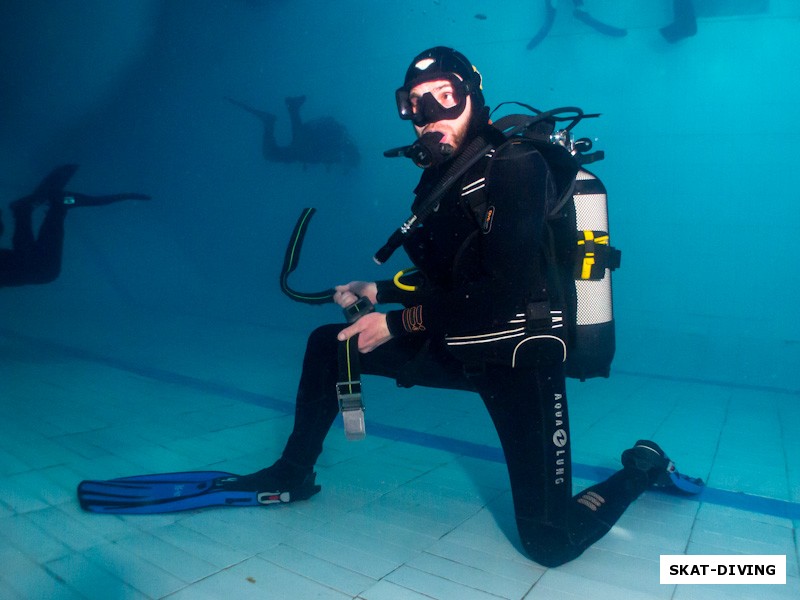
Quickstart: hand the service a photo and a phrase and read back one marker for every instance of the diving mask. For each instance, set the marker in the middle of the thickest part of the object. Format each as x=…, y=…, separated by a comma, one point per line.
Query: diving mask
x=445, y=101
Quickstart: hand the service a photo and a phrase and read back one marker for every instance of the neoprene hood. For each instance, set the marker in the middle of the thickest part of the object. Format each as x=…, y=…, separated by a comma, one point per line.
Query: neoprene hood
x=441, y=62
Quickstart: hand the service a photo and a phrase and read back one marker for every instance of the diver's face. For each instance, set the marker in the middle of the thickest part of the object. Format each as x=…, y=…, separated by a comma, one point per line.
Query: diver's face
x=454, y=130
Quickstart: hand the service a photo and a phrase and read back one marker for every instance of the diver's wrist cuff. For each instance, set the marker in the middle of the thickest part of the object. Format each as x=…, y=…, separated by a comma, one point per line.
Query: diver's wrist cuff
x=403, y=322
x=394, y=321
x=412, y=319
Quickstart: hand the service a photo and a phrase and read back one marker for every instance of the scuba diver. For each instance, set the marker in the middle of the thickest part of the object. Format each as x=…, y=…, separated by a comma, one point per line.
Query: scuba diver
x=37, y=260
x=469, y=284
x=323, y=140
x=469, y=279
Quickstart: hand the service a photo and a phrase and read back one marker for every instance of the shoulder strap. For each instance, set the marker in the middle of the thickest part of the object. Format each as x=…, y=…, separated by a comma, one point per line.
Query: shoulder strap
x=563, y=166
x=461, y=165
x=473, y=192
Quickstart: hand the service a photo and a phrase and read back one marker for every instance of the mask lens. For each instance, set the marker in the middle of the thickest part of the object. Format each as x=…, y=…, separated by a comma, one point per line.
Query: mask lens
x=404, y=107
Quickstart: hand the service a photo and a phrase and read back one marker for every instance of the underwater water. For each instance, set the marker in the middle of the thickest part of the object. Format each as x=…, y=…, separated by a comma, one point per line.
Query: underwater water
x=166, y=343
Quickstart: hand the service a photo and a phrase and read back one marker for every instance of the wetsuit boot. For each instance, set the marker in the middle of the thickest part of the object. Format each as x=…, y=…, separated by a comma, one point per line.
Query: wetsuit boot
x=648, y=457
x=284, y=480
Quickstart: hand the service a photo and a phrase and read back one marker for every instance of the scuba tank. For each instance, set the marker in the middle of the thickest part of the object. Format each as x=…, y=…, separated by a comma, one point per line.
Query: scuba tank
x=584, y=262
x=579, y=255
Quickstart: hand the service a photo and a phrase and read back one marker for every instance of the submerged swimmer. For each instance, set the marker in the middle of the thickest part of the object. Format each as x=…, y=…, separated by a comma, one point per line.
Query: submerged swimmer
x=36, y=260
x=322, y=140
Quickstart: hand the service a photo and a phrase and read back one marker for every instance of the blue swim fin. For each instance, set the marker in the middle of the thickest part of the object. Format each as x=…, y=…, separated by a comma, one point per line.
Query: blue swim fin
x=675, y=482
x=172, y=492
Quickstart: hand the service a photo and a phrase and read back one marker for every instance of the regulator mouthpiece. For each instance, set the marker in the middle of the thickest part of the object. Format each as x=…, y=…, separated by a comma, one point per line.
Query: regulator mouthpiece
x=426, y=152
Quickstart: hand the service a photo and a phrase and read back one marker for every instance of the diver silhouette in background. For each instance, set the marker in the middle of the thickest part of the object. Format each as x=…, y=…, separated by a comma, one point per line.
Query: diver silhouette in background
x=684, y=23
x=36, y=260
x=323, y=140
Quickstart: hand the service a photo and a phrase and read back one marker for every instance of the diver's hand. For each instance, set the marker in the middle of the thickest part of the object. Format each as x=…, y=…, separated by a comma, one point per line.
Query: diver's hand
x=372, y=329
x=347, y=294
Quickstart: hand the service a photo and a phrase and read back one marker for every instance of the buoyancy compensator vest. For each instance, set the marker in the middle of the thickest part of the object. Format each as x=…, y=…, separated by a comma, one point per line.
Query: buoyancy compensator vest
x=579, y=255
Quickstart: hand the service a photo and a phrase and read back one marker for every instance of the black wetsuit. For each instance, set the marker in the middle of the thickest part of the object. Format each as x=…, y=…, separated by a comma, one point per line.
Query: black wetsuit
x=37, y=259
x=33, y=259
x=470, y=287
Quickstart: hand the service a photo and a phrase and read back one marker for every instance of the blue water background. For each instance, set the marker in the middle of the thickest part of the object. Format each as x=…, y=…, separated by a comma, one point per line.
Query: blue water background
x=699, y=139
